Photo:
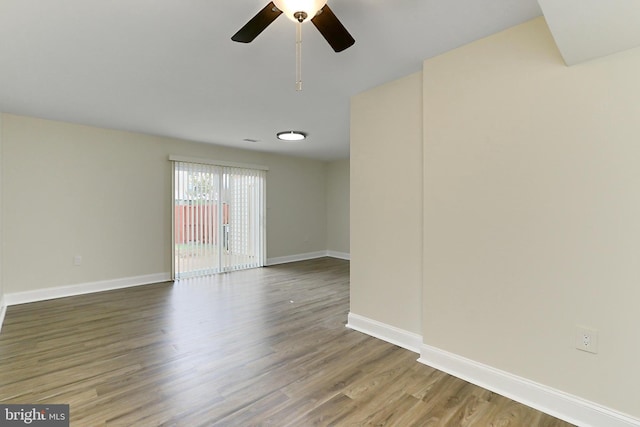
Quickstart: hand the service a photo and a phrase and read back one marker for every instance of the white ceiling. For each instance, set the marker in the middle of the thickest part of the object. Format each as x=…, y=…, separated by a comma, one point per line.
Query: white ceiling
x=169, y=67
x=588, y=29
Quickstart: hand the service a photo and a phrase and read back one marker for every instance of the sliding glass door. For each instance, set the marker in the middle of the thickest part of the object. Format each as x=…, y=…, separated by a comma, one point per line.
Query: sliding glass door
x=218, y=218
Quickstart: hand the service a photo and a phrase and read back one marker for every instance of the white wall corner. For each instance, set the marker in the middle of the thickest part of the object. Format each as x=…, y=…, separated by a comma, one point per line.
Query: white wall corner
x=84, y=288
x=405, y=339
x=561, y=405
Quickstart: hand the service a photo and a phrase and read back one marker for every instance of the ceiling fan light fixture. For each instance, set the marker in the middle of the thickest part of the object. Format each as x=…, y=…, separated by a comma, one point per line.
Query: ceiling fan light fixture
x=292, y=7
x=291, y=135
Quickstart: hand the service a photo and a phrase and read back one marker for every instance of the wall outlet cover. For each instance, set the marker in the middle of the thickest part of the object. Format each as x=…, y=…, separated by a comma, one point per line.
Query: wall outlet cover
x=586, y=339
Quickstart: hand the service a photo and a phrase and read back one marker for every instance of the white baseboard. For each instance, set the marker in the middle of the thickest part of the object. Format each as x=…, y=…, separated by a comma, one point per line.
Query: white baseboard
x=295, y=258
x=388, y=333
x=3, y=311
x=84, y=288
x=572, y=409
x=340, y=255
x=561, y=405
x=307, y=256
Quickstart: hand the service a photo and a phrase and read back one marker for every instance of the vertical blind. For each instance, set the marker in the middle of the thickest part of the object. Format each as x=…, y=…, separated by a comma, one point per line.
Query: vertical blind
x=219, y=216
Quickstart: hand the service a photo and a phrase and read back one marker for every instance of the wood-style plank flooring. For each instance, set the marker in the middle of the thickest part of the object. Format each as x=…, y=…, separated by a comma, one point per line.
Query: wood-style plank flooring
x=263, y=347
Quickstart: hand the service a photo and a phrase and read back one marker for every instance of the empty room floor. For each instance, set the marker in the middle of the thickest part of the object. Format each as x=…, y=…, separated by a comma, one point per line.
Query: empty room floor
x=261, y=347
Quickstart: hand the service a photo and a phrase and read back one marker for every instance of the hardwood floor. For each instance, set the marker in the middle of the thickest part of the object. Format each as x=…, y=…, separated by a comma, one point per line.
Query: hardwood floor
x=263, y=347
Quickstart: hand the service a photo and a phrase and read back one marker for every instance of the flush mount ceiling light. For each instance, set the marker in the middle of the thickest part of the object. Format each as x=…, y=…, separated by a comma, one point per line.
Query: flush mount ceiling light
x=291, y=135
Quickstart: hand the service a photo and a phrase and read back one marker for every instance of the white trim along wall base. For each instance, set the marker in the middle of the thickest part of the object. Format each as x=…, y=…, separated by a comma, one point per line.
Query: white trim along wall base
x=340, y=255
x=127, y=282
x=307, y=256
x=561, y=405
x=84, y=288
x=3, y=311
x=390, y=334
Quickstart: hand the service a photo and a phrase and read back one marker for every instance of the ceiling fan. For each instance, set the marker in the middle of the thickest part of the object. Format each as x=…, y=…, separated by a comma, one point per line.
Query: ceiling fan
x=299, y=11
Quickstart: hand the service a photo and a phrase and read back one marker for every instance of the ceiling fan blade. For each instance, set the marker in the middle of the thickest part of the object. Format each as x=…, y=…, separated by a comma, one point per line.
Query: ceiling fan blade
x=332, y=29
x=257, y=24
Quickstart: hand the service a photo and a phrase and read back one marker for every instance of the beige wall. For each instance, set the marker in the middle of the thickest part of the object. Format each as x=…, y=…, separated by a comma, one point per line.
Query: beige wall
x=531, y=191
x=386, y=203
x=338, y=206
x=532, y=201
x=2, y=302
x=106, y=195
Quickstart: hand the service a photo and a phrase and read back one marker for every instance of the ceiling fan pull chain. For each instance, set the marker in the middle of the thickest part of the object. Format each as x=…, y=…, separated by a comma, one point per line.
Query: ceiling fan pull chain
x=299, y=56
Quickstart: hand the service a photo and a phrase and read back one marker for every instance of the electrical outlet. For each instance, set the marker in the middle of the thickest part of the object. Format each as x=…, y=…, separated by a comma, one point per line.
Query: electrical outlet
x=77, y=260
x=586, y=339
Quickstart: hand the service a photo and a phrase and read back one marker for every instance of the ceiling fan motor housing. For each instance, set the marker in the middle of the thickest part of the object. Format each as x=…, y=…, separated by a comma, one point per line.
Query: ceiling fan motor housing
x=300, y=16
